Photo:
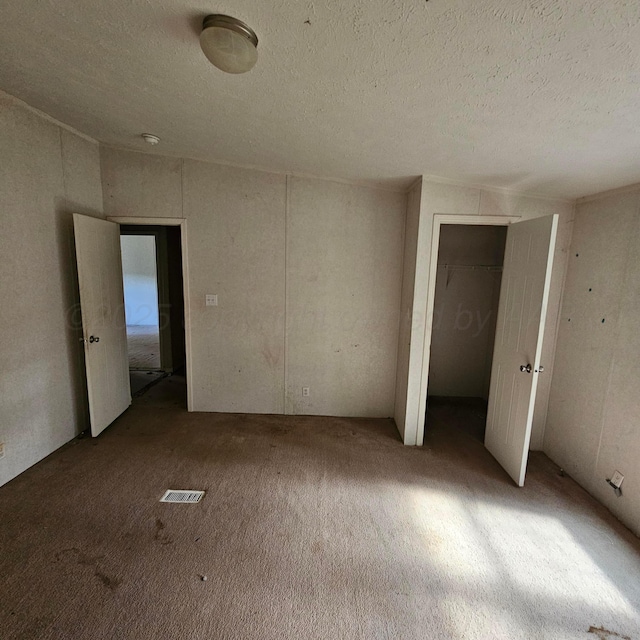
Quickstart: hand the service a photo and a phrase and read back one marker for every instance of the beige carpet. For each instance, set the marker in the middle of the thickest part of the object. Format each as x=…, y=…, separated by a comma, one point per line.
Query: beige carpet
x=312, y=528
x=143, y=345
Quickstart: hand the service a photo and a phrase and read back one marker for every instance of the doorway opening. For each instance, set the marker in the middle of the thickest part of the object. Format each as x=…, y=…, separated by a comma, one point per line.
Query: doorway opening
x=152, y=270
x=140, y=280
x=465, y=309
x=519, y=334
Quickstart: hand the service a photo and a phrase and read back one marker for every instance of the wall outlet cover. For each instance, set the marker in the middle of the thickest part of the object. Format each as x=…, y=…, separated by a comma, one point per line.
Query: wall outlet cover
x=211, y=299
x=305, y=391
x=616, y=479
x=1, y=449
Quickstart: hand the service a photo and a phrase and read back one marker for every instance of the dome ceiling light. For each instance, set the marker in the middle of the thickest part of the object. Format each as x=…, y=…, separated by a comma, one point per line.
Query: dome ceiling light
x=229, y=44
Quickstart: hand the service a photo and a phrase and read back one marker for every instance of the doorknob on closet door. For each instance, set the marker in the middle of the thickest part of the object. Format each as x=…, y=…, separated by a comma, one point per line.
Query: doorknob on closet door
x=94, y=339
x=526, y=368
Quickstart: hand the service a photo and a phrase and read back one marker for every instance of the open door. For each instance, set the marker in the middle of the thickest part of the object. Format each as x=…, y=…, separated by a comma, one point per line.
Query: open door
x=103, y=320
x=524, y=295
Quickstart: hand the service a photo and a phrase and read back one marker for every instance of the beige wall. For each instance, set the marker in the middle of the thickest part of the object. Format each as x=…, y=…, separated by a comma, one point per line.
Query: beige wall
x=344, y=263
x=439, y=198
x=46, y=174
x=235, y=242
x=307, y=274
x=594, y=410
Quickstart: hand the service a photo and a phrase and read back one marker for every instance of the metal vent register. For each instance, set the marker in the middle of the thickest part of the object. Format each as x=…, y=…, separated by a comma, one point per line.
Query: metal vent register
x=182, y=496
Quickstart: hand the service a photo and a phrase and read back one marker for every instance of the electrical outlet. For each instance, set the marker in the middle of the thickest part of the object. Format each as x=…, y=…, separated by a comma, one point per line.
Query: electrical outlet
x=211, y=300
x=1, y=449
x=616, y=479
x=305, y=391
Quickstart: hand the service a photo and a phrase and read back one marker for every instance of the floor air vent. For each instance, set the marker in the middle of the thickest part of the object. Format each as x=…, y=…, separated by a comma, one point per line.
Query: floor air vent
x=181, y=496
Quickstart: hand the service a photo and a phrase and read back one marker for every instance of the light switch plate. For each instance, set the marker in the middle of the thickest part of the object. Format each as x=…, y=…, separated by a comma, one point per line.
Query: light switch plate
x=616, y=479
x=211, y=300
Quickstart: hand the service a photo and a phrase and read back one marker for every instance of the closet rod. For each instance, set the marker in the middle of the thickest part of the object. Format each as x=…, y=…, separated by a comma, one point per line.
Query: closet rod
x=470, y=267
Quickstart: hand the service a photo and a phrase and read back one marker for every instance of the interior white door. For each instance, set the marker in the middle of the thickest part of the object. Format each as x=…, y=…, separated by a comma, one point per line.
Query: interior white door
x=103, y=320
x=524, y=295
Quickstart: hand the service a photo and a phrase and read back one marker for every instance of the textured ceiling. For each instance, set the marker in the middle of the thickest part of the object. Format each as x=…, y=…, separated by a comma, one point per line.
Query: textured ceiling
x=537, y=95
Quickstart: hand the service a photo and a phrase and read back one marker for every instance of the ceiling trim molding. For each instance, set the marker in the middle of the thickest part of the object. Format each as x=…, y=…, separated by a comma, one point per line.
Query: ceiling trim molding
x=367, y=184
x=416, y=183
x=610, y=192
x=45, y=116
x=494, y=189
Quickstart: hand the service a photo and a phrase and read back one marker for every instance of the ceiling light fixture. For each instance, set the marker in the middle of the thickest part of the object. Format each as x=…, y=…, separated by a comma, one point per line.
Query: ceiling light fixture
x=150, y=138
x=229, y=44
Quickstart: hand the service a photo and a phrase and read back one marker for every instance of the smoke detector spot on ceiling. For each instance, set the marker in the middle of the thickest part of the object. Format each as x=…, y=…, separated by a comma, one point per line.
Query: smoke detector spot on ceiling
x=149, y=138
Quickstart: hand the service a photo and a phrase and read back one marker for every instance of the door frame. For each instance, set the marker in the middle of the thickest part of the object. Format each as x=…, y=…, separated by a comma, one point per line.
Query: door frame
x=182, y=223
x=438, y=220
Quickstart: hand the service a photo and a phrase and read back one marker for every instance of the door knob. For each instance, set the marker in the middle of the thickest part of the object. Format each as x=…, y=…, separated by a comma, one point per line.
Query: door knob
x=96, y=339
x=540, y=369
x=526, y=368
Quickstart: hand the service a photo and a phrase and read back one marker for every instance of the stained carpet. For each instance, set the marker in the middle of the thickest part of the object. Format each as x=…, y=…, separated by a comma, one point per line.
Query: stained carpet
x=314, y=528
x=141, y=380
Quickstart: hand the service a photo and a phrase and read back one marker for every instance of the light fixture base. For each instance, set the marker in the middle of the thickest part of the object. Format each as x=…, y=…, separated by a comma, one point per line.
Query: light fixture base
x=149, y=138
x=233, y=24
